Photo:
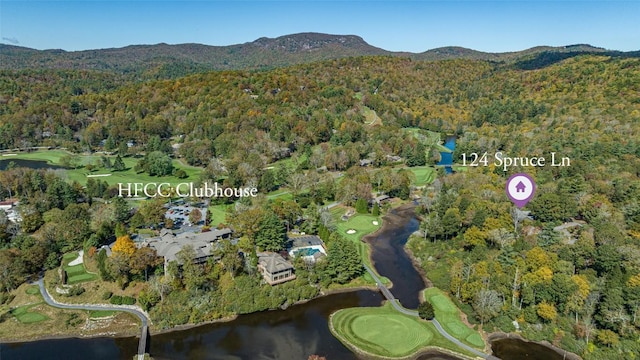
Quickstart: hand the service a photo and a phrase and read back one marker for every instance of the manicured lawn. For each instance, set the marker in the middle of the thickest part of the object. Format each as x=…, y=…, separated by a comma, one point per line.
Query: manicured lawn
x=25, y=316
x=424, y=174
x=126, y=176
x=449, y=317
x=76, y=273
x=218, y=214
x=383, y=331
x=361, y=223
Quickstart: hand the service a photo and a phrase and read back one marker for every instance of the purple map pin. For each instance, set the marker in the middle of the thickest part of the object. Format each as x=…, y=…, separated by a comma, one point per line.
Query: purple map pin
x=520, y=189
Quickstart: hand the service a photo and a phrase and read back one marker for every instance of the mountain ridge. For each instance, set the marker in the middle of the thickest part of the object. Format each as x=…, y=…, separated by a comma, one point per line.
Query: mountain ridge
x=167, y=60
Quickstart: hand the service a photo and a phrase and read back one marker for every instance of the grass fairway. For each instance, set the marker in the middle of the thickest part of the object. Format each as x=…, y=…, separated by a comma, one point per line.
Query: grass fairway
x=25, y=316
x=384, y=332
x=424, y=174
x=218, y=214
x=283, y=194
x=127, y=176
x=76, y=273
x=361, y=223
x=449, y=317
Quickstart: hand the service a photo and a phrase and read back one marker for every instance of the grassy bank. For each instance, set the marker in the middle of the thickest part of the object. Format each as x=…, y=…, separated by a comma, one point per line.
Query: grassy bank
x=448, y=315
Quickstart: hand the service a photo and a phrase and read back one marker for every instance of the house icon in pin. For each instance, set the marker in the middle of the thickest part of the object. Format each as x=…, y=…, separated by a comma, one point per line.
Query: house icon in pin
x=521, y=187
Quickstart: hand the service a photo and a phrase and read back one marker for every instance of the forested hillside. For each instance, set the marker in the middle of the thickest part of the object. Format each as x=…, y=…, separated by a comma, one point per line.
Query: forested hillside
x=165, y=61
x=567, y=267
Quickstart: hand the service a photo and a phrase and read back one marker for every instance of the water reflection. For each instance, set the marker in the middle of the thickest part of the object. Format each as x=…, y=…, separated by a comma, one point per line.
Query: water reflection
x=32, y=164
x=294, y=333
x=390, y=259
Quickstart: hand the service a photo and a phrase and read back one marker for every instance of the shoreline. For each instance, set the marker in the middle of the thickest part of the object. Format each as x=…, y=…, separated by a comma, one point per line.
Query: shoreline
x=497, y=336
x=234, y=317
x=72, y=336
x=135, y=334
x=414, y=262
x=428, y=350
x=152, y=331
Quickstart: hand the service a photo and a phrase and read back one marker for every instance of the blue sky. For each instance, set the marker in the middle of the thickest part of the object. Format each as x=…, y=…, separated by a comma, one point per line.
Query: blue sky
x=397, y=25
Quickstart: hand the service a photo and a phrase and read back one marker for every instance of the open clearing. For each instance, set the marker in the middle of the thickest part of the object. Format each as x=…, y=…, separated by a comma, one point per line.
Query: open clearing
x=449, y=317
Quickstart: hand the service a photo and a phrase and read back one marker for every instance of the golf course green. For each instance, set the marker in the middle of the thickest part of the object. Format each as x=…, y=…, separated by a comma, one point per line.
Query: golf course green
x=383, y=332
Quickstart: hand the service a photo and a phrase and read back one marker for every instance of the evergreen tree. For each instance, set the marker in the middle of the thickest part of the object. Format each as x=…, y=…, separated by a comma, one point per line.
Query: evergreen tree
x=425, y=311
x=121, y=210
x=361, y=206
x=271, y=235
x=123, y=149
x=118, y=164
x=343, y=260
x=376, y=209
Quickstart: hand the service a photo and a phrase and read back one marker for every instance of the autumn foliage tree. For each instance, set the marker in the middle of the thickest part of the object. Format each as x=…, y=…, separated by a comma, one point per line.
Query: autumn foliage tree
x=124, y=245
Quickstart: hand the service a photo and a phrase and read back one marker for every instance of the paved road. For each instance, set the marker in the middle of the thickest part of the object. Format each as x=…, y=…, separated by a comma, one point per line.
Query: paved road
x=129, y=309
x=396, y=304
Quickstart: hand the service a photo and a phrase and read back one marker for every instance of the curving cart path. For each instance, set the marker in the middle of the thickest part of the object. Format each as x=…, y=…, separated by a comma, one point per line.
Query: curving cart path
x=144, y=318
x=396, y=304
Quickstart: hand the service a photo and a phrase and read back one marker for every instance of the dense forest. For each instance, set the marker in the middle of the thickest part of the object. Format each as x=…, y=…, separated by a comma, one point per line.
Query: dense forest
x=567, y=266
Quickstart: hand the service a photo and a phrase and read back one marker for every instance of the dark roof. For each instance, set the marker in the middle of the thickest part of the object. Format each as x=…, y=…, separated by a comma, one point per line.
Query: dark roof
x=217, y=233
x=273, y=263
x=307, y=240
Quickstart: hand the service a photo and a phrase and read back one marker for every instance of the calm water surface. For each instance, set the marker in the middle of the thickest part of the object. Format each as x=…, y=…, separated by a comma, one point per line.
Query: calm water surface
x=33, y=164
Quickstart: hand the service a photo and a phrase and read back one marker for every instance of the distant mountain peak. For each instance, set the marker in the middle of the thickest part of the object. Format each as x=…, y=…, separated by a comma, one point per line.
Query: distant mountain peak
x=310, y=41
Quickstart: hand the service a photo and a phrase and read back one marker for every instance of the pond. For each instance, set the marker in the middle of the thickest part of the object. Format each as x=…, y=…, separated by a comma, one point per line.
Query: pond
x=32, y=164
x=446, y=158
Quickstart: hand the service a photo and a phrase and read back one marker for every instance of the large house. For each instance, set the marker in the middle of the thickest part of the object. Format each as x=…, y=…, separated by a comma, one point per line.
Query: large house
x=168, y=244
x=274, y=268
x=309, y=247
